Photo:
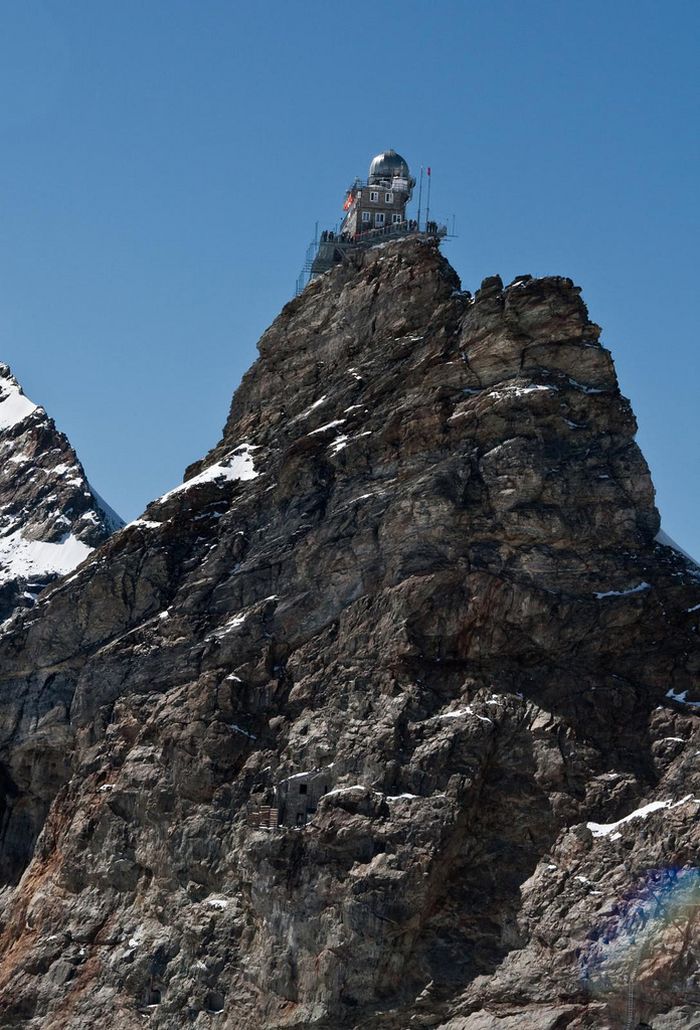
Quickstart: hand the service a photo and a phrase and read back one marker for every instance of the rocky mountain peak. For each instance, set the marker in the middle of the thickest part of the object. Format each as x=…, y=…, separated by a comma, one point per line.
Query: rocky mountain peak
x=50, y=518
x=386, y=716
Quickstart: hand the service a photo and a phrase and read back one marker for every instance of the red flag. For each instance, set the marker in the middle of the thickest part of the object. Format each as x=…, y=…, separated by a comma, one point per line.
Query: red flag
x=428, y=171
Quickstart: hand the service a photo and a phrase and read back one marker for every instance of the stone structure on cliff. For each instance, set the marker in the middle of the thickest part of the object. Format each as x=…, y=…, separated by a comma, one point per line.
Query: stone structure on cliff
x=423, y=553
x=374, y=212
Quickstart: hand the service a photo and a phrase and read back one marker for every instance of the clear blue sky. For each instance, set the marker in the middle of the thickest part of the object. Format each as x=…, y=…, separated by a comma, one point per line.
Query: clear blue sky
x=164, y=162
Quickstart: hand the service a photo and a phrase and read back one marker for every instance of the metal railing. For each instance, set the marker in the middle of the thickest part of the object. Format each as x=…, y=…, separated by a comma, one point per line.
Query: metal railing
x=344, y=242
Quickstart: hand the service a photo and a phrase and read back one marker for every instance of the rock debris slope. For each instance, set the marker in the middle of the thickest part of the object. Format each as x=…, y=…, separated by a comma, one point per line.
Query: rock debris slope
x=422, y=562
x=50, y=518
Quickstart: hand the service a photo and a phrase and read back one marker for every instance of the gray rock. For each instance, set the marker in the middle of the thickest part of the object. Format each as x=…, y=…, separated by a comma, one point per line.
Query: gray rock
x=422, y=555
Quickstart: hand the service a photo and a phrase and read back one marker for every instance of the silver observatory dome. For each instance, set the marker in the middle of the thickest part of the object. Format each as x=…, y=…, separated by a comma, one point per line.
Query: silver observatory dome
x=387, y=165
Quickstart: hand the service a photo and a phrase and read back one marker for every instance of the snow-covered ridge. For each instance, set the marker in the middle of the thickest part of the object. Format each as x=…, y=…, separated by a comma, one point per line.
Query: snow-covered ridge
x=50, y=517
x=238, y=464
x=14, y=406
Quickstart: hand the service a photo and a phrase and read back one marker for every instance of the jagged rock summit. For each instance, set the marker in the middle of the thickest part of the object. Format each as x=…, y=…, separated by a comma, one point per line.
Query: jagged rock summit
x=50, y=517
x=386, y=717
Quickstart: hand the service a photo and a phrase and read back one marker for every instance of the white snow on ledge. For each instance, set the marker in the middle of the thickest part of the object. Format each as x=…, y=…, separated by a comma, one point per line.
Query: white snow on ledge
x=20, y=557
x=238, y=464
x=457, y=713
x=681, y=698
x=328, y=425
x=316, y=404
x=609, y=829
x=519, y=390
x=624, y=593
x=220, y=903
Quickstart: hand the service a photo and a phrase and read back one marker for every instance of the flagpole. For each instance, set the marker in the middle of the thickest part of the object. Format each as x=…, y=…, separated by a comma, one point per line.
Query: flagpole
x=420, y=195
x=427, y=208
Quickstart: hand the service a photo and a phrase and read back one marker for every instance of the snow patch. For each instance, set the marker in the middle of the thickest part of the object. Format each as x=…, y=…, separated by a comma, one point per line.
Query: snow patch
x=27, y=559
x=338, y=790
x=238, y=464
x=338, y=444
x=14, y=406
x=228, y=626
x=342, y=441
x=583, y=387
x=220, y=903
x=681, y=698
x=520, y=391
x=316, y=404
x=624, y=593
x=459, y=712
x=300, y=775
x=609, y=829
x=328, y=425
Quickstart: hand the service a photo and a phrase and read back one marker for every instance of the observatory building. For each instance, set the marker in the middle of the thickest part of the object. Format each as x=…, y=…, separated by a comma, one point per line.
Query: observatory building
x=381, y=201
x=375, y=211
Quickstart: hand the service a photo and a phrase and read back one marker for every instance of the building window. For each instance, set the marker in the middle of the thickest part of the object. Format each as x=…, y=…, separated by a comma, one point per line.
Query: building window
x=374, y=195
x=396, y=218
x=379, y=218
x=366, y=216
x=389, y=198
x=303, y=788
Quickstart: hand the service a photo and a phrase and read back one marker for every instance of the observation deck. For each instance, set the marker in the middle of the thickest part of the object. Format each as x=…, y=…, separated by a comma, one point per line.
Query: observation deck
x=332, y=247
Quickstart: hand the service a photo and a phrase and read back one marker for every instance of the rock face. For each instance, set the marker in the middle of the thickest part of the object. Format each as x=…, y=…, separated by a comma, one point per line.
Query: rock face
x=421, y=568
x=50, y=518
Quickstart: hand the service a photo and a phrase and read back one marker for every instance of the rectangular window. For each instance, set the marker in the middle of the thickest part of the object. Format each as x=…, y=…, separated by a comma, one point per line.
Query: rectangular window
x=389, y=198
x=374, y=195
x=379, y=218
x=396, y=218
x=366, y=216
x=303, y=788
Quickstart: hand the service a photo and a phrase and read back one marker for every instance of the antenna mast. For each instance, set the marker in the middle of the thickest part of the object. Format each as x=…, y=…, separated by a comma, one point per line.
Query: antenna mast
x=420, y=195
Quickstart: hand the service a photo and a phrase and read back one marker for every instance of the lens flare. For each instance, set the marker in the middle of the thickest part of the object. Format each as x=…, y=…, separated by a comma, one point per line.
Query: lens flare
x=640, y=956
